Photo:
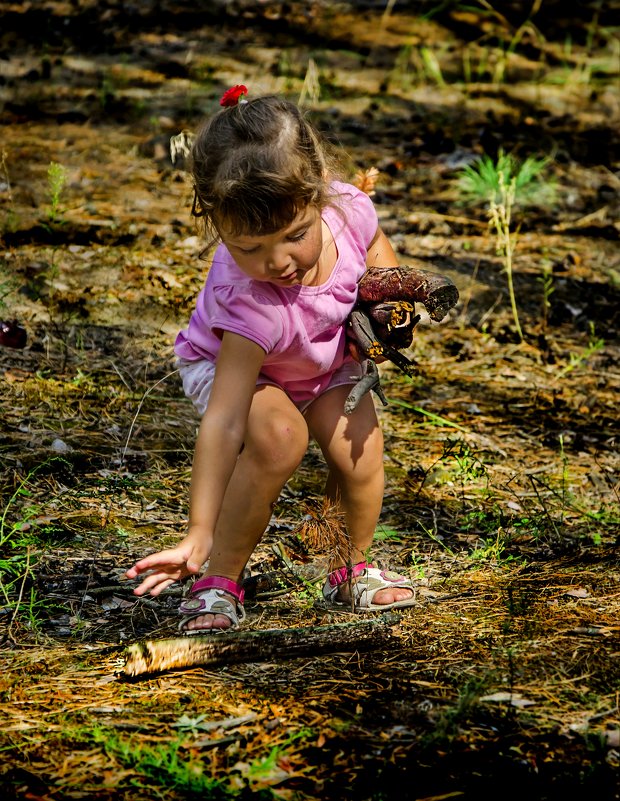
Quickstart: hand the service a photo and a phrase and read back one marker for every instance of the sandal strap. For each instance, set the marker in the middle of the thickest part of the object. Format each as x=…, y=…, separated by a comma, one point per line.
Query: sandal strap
x=218, y=583
x=345, y=573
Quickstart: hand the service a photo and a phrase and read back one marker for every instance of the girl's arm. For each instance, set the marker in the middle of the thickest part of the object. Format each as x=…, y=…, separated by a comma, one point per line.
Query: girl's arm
x=380, y=252
x=223, y=427
x=220, y=437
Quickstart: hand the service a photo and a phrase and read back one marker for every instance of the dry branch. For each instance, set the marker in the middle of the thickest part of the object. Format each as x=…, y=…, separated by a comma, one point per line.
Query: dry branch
x=155, y=656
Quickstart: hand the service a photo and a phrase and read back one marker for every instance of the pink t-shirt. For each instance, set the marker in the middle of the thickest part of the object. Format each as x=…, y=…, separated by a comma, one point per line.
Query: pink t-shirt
x=300, y=328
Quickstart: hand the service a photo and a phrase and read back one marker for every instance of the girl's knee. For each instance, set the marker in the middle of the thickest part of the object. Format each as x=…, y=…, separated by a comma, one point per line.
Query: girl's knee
x=359, y=461
x=279, y=441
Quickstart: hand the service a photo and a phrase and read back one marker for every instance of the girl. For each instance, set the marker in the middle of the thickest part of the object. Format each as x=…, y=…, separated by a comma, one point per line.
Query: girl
x=265, y=358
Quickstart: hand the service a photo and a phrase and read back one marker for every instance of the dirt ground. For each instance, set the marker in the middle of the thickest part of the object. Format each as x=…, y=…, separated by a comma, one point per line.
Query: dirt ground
x=501, y=455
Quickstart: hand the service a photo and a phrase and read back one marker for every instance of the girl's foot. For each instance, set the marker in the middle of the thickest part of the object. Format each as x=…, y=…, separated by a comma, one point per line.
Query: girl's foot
x=215, y=603
x=367, y=588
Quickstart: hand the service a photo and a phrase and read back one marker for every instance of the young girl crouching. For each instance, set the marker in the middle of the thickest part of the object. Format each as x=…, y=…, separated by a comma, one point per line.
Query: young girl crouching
x=265, y=359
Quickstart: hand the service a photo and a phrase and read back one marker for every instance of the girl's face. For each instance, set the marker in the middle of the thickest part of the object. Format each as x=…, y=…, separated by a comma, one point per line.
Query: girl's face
x=287, y=257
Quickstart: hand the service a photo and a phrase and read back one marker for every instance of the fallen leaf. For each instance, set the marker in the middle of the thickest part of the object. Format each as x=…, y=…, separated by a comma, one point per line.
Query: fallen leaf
x=514, y=699
x=578, y=592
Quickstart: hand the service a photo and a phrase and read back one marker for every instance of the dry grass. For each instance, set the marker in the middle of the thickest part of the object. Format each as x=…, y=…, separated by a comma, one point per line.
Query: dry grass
x=501, y=459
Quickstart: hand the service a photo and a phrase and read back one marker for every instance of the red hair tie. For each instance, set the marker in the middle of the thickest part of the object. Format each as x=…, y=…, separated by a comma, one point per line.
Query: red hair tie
x=234, y=95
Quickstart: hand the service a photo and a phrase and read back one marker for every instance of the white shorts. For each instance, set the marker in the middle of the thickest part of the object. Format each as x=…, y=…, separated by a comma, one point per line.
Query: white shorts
x=197, y=378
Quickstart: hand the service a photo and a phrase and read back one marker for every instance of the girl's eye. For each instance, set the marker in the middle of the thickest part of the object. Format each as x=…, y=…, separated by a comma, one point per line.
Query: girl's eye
x=298, y=237
x=247, y=251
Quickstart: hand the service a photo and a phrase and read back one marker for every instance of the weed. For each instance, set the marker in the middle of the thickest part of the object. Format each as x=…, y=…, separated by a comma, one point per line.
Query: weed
x=5, y=174
x=286, y=71
x=56, y=180
x=435, y=419
x=166, y=766
x=535, y=526
x=462, y=465
x=577, y=359
x=386, y=534
x=481, y=521
x=8, y=284
x=503, y=184
x=470, y=467
x=311, y=88
x=596, y=538
x=15, y=553
x=492, y=550
x=174, y=765
x=431, y=66
x=10, y=220
x=449, y=722
x=416, y=65
x=401, y=72
x=435, y=537
x=546, y=281
x=264, y=772
x=112, y=81
x=419, y=565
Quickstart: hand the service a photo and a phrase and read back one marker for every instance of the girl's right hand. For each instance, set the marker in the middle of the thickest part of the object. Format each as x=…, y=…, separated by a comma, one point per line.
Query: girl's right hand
x=174, y=564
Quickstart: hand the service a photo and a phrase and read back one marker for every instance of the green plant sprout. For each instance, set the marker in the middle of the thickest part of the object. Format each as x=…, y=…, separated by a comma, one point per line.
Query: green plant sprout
x=431, y=66
x=503, y=184
x=548, y=288
x=10, y=218
x=15, y=552
x=5, y=173
x=311, y=88
x=387, y=534
x=435, y=419
x=167, y=765
x=492, y=549
x=577, y=359
x=8, y=284
x=56, y=180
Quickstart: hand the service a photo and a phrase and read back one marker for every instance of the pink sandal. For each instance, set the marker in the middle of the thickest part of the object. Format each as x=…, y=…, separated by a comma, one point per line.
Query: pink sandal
x=207, y=597
x=365, y=582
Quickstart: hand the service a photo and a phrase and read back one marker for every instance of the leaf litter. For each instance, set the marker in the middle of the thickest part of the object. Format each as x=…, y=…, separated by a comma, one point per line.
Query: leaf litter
x=501, y=457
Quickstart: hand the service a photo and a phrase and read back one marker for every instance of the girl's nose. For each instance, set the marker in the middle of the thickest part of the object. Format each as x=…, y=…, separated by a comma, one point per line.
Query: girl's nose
x=278, y=261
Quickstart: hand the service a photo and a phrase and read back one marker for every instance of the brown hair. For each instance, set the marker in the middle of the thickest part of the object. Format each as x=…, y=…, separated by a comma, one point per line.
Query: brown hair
x=256, y=165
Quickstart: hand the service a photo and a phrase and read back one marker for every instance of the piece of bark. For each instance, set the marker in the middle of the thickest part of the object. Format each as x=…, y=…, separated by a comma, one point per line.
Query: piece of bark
x=155, y=656
x=437, y=293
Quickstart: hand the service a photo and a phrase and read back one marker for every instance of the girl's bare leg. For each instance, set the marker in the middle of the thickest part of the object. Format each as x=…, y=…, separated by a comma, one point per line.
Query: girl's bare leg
x=275, y=443
x=353, y=448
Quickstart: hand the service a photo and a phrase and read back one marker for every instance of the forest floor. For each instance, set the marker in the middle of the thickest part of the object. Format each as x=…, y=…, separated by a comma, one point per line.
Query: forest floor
x=502, y=455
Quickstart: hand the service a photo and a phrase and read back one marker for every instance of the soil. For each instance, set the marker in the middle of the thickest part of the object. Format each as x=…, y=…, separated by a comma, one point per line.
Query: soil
x=501, y=454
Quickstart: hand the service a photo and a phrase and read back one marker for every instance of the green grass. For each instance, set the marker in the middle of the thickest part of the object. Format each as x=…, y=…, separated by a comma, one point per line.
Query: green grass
x=18, y=539
x=167, y=766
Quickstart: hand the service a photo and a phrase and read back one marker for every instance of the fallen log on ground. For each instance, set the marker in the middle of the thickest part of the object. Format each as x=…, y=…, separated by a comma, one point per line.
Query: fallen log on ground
x=155, y=656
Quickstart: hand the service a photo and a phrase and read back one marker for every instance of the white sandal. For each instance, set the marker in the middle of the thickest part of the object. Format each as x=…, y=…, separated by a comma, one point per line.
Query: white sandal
x=365, y=582
x=207, y=597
